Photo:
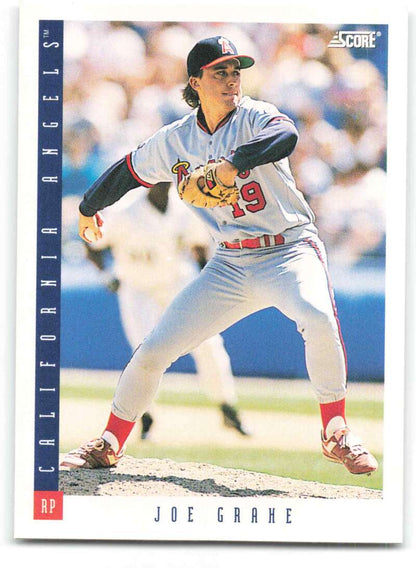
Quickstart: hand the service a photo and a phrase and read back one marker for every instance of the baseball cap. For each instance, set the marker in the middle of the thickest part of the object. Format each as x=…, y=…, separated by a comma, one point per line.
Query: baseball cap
x=213, y=50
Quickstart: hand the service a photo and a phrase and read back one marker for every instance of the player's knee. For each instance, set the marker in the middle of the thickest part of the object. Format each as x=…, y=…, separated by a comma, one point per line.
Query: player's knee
x=152, y=357
x=318, y=322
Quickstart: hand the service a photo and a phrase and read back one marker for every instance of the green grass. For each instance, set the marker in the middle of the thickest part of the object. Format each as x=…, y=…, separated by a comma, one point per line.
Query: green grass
x=307, y=466
x=356, y=408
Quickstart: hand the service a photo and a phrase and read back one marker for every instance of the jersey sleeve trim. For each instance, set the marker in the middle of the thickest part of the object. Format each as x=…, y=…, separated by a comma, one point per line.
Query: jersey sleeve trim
x=280, y=117
x=134, y=174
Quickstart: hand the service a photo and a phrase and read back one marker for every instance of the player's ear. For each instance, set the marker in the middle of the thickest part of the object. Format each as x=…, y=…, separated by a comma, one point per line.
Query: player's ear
x=194, y=82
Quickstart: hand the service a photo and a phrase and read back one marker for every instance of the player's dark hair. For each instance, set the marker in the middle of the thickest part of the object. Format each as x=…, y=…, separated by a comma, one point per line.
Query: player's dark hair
x=189, y=95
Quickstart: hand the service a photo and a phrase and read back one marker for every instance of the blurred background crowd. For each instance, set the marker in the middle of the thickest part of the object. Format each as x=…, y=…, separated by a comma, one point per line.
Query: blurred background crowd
x=123, y=81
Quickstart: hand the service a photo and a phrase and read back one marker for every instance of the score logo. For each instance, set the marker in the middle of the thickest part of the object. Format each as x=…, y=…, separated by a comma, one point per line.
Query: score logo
x=357, y=39
x=48, y=506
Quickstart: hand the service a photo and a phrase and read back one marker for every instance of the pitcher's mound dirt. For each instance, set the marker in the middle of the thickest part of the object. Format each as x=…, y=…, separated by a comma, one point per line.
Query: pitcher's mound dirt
x=167, y=478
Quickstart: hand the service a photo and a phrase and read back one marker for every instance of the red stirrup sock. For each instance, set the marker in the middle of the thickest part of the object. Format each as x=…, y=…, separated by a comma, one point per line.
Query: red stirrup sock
x=332, y=410
x=119, y=429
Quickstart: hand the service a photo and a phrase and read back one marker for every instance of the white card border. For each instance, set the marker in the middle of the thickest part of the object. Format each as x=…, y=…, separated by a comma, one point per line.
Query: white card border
x=380, y=529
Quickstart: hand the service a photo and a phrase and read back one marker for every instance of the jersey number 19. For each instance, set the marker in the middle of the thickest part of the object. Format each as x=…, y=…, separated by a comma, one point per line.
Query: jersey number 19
x=252, y=194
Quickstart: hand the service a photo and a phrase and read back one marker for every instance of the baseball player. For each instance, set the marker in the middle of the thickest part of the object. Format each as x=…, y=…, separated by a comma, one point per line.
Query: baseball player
x=150, y=267
x=229, y=159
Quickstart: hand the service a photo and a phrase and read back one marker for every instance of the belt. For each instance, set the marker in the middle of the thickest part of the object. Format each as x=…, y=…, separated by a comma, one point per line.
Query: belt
x=258, y=242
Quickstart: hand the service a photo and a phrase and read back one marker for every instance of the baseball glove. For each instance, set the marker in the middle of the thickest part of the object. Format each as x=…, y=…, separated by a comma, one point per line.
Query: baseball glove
x=203, y=188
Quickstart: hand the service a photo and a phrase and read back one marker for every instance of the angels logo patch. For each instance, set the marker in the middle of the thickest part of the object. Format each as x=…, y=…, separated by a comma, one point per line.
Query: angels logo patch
x=181, y=169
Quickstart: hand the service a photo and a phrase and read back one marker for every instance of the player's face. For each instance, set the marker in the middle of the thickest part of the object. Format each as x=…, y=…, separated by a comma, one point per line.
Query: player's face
x=219, y=88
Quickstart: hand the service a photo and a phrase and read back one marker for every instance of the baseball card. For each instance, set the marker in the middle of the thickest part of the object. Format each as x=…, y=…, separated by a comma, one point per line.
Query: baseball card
x=211, y=273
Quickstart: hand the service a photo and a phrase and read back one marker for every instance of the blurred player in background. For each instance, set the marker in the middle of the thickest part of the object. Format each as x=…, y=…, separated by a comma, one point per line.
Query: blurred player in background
x=157, y=246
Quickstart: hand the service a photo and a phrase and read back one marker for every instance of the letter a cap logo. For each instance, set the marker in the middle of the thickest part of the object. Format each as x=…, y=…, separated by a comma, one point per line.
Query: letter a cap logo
x=225, y=45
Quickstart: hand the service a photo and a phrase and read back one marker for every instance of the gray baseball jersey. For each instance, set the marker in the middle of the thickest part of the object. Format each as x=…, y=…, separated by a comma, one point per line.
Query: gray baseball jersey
x=269, y=201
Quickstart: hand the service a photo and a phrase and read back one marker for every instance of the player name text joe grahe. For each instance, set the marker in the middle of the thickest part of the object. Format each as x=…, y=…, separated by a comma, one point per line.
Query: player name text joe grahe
x=253, y=515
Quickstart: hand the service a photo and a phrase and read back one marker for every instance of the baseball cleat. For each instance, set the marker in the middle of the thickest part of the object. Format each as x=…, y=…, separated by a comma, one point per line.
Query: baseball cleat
x=232, y=420
x=147, y=422
x=94, y=454
x=343, y=447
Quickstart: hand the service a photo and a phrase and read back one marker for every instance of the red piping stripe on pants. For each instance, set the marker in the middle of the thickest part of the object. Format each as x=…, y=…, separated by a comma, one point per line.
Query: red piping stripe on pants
x=331, y=293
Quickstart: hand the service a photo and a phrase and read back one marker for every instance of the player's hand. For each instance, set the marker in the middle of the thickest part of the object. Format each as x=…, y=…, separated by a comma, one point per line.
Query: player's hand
x=226, y=172
x=89, y=228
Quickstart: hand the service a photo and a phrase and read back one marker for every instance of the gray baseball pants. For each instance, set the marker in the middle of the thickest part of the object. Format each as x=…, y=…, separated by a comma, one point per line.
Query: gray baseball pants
x=234, y=284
